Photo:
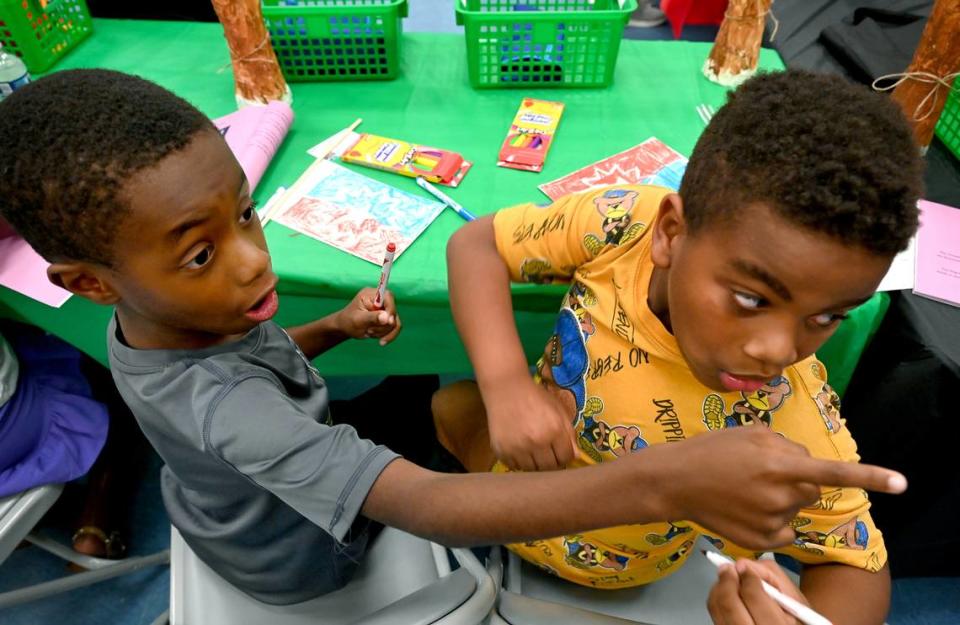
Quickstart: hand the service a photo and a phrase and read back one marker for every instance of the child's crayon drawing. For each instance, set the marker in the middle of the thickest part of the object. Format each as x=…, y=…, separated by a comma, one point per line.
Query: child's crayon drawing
x=357, y=214
x=651, y=162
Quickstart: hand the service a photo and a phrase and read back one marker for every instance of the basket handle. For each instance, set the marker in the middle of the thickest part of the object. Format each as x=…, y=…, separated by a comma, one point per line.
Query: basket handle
x=403, y=9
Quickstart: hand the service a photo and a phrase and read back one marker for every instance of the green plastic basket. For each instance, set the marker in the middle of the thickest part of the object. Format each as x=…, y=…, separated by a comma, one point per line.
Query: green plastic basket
x=948, y=128
x=323, y=40
x=40, y=32
x=543, y=43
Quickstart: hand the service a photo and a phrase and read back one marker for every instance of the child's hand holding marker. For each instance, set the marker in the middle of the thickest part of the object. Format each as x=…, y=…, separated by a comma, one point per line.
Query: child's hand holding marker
x=363, y=319
x=759, y=591
x=373, y=312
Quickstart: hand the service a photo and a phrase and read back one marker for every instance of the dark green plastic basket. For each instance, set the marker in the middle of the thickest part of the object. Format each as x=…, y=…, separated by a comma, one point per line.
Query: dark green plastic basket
x=42, y=32
x=542, y=43
x=323, y=40
x=948, y=128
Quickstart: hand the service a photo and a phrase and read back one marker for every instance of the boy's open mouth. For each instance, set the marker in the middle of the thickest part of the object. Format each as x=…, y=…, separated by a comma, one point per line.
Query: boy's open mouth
x=746, y=384
x=265, y=308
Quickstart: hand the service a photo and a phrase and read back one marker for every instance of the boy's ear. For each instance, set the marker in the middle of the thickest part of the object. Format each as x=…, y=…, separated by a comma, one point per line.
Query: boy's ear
x=85, y=280
x=667, y=230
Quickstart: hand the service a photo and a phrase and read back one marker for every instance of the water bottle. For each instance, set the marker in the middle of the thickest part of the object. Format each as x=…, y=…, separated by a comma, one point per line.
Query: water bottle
x=13, y=73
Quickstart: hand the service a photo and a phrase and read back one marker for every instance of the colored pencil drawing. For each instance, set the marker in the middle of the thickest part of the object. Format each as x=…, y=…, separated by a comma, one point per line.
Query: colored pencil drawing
x=651, y=162
x=357, y=214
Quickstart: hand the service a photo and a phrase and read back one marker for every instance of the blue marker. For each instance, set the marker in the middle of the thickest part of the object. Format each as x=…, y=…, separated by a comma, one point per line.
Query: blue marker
x=443, y=197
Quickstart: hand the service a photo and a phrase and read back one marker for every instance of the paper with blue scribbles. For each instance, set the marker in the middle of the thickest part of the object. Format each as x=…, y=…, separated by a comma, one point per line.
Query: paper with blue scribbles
x=357, y=214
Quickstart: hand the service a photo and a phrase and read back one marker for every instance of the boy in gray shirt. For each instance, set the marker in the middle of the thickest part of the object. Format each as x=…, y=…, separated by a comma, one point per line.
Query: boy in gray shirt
x=138, y=203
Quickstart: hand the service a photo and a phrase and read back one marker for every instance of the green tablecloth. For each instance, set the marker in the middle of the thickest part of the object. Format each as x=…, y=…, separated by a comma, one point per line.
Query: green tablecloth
x=655, y=92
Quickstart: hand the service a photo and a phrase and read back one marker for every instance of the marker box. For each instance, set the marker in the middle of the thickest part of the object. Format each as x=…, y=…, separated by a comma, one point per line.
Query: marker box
x=531, y=135
x=407, y=159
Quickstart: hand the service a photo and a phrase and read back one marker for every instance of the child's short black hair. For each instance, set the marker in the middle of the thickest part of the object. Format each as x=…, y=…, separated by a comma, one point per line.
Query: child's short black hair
x=825, y=154
x=71, y=141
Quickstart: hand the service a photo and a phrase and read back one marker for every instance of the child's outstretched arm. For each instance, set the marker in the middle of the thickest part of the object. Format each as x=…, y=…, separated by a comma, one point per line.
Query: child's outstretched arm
x=701, y=479
x=360, y=319
x=529, y=429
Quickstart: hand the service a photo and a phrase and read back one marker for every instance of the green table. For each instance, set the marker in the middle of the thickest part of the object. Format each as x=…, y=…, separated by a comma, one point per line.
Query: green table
x=655, y=92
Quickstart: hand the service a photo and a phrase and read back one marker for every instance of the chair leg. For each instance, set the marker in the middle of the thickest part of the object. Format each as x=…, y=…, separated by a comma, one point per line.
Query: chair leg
x=121, y=567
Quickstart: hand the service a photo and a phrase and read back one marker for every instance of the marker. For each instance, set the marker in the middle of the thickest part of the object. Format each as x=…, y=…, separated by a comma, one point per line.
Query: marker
x=789, y=604
x=385, y=274
x=443, y=197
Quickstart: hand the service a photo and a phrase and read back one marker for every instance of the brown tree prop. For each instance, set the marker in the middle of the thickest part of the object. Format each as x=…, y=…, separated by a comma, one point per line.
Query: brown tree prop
x=734, y=55
x=922, y=90
x=256, y=72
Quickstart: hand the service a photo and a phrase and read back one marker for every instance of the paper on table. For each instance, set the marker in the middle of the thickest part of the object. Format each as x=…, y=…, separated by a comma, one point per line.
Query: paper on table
x=354, y=213
x=25, y=271
x=901, y=273
x=254, y=134
x=938, y=253
x=650, y=162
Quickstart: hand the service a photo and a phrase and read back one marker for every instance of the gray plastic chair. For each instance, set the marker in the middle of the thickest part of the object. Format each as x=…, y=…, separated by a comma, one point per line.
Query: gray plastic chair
x=529, y=596
x=402, y=579
x=19, y=514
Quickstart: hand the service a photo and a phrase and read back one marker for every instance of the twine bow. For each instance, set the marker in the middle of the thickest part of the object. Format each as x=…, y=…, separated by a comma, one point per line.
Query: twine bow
x=761, y=16
x=929, y=102
x=234, y=57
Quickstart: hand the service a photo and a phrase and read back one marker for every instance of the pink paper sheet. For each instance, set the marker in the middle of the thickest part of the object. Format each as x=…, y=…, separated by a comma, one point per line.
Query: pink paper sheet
x=254, y=134
x=938, y=253
x=25, y=271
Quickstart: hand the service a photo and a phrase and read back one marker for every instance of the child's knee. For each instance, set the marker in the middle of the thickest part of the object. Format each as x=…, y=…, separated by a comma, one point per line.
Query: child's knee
x=456, y=408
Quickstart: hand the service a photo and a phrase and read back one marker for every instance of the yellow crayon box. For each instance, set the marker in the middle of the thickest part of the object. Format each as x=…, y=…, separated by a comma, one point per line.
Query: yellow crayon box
x=531, y=135
x=408, y=159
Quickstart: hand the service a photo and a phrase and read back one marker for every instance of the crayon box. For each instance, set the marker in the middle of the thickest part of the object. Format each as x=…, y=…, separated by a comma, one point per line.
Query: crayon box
x=407, y=159
x=531, y=135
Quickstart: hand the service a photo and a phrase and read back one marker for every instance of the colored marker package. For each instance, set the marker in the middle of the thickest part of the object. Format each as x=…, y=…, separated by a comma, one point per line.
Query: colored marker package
x=408, y=159
x=531, y=135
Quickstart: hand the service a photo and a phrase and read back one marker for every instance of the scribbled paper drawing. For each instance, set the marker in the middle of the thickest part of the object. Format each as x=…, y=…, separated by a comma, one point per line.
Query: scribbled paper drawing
x=357, y=214
x=651, y=162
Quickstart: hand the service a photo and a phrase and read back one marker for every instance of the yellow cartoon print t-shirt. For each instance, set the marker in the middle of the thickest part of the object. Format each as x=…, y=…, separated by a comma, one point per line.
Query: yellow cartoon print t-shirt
x=627, y=386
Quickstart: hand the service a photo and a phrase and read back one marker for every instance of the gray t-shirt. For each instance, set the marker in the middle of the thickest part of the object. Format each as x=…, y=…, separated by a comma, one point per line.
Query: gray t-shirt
x=260, y=485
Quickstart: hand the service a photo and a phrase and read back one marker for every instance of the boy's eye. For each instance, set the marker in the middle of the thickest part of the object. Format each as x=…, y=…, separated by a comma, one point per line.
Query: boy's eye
x=248, y=214
x=201, y=259
x=826, y=320
x=750, y=302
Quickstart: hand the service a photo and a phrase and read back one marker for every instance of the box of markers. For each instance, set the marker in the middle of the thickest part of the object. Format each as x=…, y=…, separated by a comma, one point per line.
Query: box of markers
x=530, y=135
x=407, y=159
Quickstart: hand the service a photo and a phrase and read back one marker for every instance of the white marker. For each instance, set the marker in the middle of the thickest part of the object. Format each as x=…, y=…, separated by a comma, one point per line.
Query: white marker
x=789, y=604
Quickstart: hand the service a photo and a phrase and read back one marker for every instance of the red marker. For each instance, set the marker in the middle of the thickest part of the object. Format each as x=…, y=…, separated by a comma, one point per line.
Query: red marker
x=385, y=274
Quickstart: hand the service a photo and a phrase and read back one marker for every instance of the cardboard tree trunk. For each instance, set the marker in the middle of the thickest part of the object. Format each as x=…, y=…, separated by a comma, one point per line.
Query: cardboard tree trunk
x=256, y=73
x=736, y=50
x=938, y=56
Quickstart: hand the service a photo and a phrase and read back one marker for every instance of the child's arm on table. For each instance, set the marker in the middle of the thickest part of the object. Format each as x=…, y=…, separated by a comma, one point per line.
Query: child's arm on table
x=358, y=320
x=738, y=597
x=685, y=480
x=529, y=430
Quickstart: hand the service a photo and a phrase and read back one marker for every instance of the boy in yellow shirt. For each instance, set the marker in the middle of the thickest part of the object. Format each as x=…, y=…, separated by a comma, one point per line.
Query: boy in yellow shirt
x=690, y=313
